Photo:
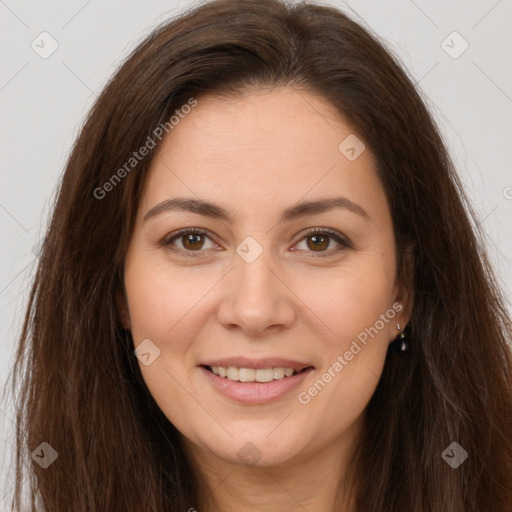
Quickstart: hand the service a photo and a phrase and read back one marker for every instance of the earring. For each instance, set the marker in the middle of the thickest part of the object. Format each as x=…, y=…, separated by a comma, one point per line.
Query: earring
x=403, y=345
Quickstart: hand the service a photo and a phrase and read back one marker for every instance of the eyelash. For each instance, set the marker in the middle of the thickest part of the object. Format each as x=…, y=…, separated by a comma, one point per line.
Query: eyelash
x=344, y=243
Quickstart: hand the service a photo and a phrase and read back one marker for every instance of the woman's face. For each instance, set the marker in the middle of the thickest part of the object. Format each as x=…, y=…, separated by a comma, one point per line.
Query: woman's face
x=251, y=287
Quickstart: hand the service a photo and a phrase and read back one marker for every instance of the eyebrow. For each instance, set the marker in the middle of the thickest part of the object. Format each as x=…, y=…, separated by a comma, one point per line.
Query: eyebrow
x=215, y=211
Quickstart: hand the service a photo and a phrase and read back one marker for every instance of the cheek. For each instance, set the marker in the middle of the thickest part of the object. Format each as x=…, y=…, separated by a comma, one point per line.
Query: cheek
x=160, y=298
x=351, y=299
x=162, y=307
x=355, y=306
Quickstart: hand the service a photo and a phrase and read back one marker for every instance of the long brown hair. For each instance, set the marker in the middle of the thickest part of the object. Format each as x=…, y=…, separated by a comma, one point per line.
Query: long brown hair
x=77, y=385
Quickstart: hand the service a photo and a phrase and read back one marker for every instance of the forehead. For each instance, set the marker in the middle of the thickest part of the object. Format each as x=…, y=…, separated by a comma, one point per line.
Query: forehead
x=277, y=125
x=262, y=148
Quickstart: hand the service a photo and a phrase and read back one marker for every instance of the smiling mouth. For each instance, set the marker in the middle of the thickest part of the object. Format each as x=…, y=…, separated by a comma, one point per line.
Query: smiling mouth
x=249, y=375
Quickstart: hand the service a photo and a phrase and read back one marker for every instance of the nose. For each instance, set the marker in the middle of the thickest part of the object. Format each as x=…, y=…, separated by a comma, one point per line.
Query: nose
x=255, y=298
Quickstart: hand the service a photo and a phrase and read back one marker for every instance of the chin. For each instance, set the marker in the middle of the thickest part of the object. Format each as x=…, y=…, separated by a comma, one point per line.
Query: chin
x=257, y=450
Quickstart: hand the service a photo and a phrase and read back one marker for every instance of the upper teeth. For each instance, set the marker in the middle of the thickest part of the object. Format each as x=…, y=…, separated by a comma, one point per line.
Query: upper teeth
x=252, y=375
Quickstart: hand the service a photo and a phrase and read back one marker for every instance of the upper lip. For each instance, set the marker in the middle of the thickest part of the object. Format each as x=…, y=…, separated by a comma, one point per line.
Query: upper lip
x=267, y=362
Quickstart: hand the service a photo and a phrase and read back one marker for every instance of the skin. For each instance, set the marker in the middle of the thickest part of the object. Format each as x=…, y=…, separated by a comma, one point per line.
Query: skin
x=255, y=156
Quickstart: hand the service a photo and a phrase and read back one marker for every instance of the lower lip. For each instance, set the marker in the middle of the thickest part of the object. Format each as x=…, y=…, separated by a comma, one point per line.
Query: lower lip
x=255, y=392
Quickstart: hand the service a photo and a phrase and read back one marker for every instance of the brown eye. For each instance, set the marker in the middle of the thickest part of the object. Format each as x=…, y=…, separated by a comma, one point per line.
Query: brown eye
x=318, y=242
x=188, y=241
x=192, y=241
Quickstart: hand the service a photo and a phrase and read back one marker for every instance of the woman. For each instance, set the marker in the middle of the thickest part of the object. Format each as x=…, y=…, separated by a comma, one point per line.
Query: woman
x=261, y=288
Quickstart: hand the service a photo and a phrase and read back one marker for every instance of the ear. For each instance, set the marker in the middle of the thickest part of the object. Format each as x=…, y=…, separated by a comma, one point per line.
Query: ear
x=405, y=289
x=122, y=308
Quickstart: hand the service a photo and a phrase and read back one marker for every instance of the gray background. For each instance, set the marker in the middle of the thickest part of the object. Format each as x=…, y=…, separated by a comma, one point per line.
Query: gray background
x=43, y=103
